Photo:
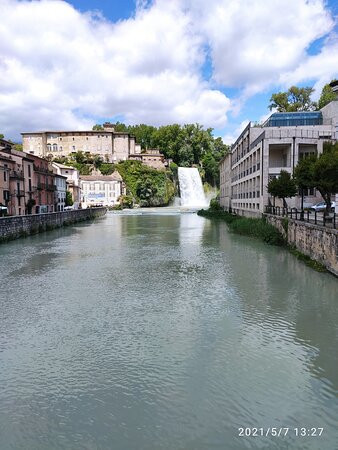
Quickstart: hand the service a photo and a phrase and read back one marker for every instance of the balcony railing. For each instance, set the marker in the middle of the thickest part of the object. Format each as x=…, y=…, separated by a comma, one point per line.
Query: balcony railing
x=51, y=187
x=41, y=186
x=41, y=169
x=16, y=174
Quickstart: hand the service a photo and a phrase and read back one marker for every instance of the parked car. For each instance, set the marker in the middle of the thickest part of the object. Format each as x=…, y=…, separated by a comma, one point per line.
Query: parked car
x=321, y=206
x=68, y=208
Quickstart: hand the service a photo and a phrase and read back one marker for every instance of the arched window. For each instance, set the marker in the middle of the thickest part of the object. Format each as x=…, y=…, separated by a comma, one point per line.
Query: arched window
x=55, y=148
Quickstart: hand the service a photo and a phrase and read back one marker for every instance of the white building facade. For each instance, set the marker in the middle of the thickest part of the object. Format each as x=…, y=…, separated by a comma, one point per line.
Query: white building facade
x=261, y=152
x=101, y=190
x=73, y=181
x=60, y=192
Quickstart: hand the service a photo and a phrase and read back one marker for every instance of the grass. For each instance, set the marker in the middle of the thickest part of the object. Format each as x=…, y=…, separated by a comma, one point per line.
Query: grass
x=260, y=229
x=307, y=260
x=257, y=228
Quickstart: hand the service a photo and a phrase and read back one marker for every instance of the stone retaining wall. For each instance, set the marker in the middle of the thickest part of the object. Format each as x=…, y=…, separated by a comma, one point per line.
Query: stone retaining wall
x=320, y=243
x=18, y=226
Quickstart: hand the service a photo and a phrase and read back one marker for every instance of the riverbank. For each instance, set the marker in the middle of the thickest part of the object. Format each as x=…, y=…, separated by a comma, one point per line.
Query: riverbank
x=14, y=227
x=263, y=230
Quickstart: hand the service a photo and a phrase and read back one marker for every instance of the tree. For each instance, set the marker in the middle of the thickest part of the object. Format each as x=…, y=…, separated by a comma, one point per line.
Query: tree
x=97, y=161
x=2, y=136
x=325, y=173
x=320, y=172
x=294, y=99
x=97, y=127
x=106, y=168
x=69, y=199
x=282, y=187
x=327, y=96
x=303, y=174
x=273, y=188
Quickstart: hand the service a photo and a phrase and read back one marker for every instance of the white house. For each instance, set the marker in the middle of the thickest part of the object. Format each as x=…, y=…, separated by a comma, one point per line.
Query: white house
x=101, y=190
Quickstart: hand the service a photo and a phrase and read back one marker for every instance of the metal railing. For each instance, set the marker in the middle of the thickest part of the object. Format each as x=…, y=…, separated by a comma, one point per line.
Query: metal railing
x=308, y=215
x=17, y=174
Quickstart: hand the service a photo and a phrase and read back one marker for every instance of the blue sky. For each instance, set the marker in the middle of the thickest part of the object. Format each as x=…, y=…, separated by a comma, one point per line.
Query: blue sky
x=158, y=62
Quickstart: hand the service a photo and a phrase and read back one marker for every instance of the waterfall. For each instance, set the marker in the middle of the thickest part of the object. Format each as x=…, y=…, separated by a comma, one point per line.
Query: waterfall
x=191, y=188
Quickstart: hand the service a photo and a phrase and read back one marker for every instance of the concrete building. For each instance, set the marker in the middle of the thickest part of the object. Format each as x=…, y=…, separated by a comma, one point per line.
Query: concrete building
x=101, y=190
x=73, y=181
x=261, y=152
x=112, y=146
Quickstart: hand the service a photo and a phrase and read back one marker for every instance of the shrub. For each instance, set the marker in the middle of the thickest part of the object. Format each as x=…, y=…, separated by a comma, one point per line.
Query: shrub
x=126, y=201
x=214, y=205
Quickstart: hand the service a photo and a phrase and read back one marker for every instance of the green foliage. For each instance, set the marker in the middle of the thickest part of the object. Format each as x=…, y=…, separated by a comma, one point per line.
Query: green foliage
x=257, y=228
x=148, y=186
x=304, y=172
x=106, y=168
x=186, y=145
x=2, y=136
x=320, y=172
x=126, y=201
x=97, y=161
x=174, y=170
x=69, y=199
x=18, y=147
x=282, y=187
x=327, y=96
x=214, y=205
x=294, y=99
x=83, y=169
x=307, y=260
x=97, y=127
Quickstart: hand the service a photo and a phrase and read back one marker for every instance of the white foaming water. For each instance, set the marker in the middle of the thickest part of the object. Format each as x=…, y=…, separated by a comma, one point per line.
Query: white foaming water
x=191, y=188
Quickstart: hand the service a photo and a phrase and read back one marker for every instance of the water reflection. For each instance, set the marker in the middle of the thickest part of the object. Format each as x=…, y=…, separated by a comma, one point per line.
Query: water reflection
x=162, y=332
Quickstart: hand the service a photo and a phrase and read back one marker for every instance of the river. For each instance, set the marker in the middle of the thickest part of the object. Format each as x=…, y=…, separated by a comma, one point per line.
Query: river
x=163, y=331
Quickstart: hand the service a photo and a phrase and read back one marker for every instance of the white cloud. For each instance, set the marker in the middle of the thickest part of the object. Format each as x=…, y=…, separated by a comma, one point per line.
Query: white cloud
x=60, y=68
x=230, y=138
x=252, y=42
x=322, y=67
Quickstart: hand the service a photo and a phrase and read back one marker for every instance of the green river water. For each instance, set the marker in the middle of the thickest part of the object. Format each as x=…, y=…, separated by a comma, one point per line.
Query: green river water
x=163, y=331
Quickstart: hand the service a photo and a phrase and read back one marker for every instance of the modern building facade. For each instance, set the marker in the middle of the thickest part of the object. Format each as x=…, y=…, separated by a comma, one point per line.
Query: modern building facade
x=112, y=146
x=101, y=190
x=261, y=152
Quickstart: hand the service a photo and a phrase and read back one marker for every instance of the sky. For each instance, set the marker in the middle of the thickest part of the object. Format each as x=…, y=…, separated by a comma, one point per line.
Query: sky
x=71, y=64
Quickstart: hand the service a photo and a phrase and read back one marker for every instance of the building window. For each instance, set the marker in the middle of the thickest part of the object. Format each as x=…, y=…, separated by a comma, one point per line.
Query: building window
x=73, y=147
x=29, y=171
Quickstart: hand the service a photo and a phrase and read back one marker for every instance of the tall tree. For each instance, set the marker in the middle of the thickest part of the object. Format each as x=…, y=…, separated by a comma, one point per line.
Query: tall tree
x=320, y=172
x=327, y=96
x=325, y=173
x=294, y=99
x=283, y=187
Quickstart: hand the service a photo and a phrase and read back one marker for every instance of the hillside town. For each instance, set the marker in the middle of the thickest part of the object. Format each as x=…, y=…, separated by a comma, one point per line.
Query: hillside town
x=31, y=182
